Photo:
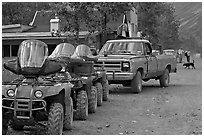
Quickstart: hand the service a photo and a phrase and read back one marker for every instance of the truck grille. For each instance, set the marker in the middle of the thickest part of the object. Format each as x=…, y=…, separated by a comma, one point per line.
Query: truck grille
x=109, y=66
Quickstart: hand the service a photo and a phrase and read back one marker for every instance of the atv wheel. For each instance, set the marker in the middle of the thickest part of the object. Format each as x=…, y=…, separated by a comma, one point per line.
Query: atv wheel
x=68, y=118
x=4, y=130
x=16, y=126
x=164, y=79
x=93, y=100
x=105, y=90
x=136, y=83
x=55, y=119
x=4, y=123
x=82, y=106
x=99, y=93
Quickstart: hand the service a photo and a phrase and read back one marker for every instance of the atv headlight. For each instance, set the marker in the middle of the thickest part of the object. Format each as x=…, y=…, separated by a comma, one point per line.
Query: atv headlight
x=11, y=93
x=38, y=94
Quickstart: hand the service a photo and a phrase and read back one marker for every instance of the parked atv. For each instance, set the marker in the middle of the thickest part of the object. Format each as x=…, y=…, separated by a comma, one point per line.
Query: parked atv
x=98, y=74
x=84, y=77
x=82, y=86
x=35, y=97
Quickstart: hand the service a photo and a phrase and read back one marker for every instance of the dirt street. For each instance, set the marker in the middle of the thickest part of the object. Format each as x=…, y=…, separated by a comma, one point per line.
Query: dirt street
x=175, y=110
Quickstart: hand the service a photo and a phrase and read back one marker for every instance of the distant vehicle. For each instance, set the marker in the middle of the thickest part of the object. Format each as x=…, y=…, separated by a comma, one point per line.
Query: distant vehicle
x=155, y=52
x=129, y=61
x=169, y=52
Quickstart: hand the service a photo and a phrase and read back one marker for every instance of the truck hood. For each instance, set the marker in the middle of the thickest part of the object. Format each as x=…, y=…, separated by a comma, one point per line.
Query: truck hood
x=117, y=57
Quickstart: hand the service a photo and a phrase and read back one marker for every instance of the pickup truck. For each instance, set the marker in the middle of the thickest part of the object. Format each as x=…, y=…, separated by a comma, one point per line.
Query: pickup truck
x=130, y=61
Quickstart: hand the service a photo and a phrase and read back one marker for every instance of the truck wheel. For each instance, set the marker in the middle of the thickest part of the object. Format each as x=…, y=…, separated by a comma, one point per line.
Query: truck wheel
x=81, y=106
x=136, y=83
x=105, y=90
x=99, y=93
x=164, y=79
x=93, y=100
x=68, y=118
x=55, y=119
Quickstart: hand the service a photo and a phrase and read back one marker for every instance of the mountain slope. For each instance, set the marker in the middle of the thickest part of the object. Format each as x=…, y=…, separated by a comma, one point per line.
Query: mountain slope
x=190, y=16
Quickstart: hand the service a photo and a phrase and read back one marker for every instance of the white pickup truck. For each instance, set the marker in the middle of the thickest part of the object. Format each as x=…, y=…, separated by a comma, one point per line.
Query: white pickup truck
x=129, y=61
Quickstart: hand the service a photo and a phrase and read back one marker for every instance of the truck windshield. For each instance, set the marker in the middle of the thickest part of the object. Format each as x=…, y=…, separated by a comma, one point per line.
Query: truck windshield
x=122, y=48
x=63, y=50
x=32, y=53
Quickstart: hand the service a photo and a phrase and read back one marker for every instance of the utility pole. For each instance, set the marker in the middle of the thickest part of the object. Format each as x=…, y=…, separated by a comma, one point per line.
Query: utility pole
x=36, y=6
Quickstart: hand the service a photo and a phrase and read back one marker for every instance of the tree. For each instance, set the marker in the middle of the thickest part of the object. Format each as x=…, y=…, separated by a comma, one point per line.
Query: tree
x=21, y=12
x=95, y=15
x=157, y=20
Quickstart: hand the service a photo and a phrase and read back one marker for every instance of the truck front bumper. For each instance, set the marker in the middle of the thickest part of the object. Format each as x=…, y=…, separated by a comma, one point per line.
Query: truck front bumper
x=120, y=75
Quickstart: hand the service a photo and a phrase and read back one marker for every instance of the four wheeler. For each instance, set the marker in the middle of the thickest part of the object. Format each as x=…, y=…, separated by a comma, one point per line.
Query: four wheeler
x=87, y=90
x=35, y=97
x=98, y=74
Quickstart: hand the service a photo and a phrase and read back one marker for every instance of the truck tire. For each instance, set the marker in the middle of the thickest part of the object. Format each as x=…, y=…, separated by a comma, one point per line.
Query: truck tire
x=93, y=100
x=99, y=93
x=55, y=119
x=81, y=106
x=136, y=83
x=105, y=90
x=164, y=79
x=68, y=118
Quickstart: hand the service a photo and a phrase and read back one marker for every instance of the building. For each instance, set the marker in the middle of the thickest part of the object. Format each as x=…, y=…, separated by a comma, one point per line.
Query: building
x=46, y=22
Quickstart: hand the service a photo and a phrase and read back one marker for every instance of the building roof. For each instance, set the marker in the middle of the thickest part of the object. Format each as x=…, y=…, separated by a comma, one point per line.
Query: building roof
x=15, y=28
x=39, y=35
x=41, y=21
x=11, y=26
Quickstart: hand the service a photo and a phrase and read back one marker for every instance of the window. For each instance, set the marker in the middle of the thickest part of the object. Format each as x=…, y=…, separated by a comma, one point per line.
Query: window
x=148, y=49
x=6, y=50
x=14, y=49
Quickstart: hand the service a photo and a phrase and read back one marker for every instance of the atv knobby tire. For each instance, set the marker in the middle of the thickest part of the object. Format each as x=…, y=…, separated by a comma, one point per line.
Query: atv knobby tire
x=4, y=122
x=4, y=130
x=105, y=90
x=164, y=79
x=81, y=106
x=136, y=83
x=93, y=100
x=68, y=118
x=55, y=119
x=99, y=93
x=16, y=126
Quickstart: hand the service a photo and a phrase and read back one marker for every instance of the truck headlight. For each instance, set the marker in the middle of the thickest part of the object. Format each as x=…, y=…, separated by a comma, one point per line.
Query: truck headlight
x=11, y=93
x=84, y=77
x=125, y=66
x=38, y=94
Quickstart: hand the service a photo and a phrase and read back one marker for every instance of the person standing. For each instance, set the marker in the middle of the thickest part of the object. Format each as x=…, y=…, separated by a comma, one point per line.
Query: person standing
x=180, y=55
x=188, y=55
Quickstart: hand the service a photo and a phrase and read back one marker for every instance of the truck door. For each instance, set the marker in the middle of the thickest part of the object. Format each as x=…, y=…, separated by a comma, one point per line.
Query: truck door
x=151, y=60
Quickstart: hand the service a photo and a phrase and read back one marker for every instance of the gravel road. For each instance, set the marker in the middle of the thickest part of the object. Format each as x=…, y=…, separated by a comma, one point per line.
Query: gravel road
x=175, y=110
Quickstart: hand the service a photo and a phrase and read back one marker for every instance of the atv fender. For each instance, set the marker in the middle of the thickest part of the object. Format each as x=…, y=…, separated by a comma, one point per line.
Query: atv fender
x=54, y=90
